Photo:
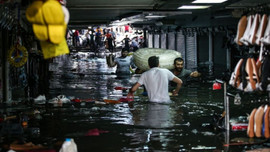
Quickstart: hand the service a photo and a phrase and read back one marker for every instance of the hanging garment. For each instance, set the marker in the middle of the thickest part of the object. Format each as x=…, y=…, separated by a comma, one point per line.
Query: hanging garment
x=244, y=38
x=253, y=30
x=235, y=79
x=259, y=61
x=250, y=130
x=245, y=76
x=253, y=78
x=49, y=20
x=266, y=37
x=265, y=76
x=261, y=29
x=265, y=129
x=258, y=121
x=242, y=25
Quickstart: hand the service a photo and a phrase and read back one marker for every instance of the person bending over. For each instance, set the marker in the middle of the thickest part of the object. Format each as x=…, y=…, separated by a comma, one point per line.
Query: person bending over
x=156, y=82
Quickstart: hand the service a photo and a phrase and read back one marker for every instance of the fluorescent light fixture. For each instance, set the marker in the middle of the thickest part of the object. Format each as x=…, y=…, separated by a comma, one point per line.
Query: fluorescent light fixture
x=193, y=7
x=209, y=1
x=155, y=16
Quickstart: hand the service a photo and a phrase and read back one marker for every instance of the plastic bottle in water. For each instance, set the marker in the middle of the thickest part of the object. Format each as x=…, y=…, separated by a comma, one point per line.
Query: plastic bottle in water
x=69, y=146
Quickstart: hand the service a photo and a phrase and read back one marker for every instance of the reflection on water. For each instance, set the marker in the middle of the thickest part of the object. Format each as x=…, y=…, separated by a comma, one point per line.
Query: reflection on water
x=183, y=125
x=154, y=115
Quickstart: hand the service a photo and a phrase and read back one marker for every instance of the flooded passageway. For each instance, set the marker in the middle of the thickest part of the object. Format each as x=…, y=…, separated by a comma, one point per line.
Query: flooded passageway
x=58, y=81
x=188, y=123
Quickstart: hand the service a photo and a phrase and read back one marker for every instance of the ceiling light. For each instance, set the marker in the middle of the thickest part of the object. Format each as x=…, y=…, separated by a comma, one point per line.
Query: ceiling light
x=155, y=16
x=193, y=7
x=209, y=1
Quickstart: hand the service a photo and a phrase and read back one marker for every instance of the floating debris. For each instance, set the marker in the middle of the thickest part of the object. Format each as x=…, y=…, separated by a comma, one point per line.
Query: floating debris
x=199, y=147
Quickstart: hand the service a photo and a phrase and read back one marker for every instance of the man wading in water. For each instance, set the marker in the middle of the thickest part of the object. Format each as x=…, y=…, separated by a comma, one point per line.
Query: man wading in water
x=156, y=82
x=181, y=72
x=124, y=64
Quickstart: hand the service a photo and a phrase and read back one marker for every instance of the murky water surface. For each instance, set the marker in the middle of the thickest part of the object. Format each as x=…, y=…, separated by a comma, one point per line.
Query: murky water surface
x=183, y=125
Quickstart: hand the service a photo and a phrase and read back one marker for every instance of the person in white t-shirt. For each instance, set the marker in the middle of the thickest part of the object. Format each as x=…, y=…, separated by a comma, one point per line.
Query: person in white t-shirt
x=156, y=81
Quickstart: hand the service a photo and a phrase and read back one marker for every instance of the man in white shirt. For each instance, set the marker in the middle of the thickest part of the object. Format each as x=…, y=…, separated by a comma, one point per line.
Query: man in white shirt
x=156, y=81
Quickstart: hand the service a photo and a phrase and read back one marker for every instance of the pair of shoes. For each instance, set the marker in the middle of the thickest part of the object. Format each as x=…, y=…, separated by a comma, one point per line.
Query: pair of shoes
x=63, y=99
x=60, y=99
x=54, y=100
x=40, y=99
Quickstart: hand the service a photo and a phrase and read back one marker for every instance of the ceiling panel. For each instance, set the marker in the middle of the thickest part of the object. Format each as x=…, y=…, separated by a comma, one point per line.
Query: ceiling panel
x=89, y=12
x=250, y=3
x=111, y=2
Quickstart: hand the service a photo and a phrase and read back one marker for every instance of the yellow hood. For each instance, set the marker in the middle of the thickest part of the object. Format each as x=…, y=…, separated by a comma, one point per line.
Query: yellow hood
x=34, y=13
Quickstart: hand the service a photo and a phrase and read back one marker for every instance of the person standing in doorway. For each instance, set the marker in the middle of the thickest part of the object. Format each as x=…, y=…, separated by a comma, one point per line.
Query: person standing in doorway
x=134, y=44
x=87, y=35
x=127, y=28
x=92, y=40
x=113, y=37
x=77, y=38
x=98, y=39
x=110, y=43
x=126, y=42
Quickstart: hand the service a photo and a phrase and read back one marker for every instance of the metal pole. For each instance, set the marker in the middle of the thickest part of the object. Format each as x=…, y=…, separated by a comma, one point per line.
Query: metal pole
x=227, y=111
x=160, y=40
x=153, y=40
x=227, y=117
x=144, y=38
x=210, y=53
x=167, y=40
x=228, y=54
x=5, y=68
x=175, y=40
x=195, y=50
x=268, y=96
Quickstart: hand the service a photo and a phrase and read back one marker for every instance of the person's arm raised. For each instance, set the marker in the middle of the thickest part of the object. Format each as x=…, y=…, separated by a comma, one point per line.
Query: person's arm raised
x=110, y=61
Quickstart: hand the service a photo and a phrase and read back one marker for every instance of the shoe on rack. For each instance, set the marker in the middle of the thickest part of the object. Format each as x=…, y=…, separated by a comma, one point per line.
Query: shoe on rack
x=40, y=99
x=63, y=99
x=54, y=100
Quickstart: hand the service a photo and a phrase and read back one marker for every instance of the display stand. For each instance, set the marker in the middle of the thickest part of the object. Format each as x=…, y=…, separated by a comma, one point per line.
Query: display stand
x=237, y=101
x=226, y=104
x=227, y=114
x=227, y=111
